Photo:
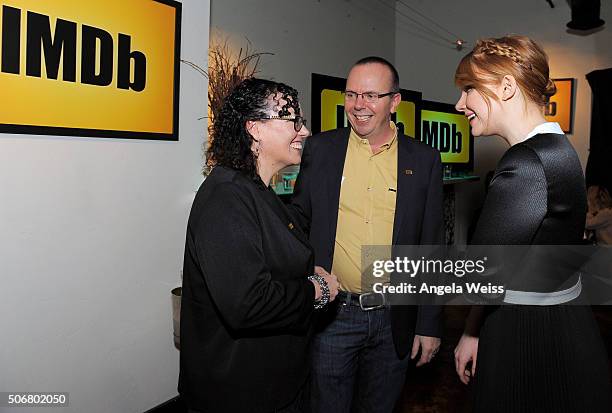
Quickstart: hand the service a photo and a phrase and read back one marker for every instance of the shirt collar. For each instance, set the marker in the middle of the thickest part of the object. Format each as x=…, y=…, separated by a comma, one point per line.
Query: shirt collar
x=393, y=138
x=546, y=127
x=364, y=141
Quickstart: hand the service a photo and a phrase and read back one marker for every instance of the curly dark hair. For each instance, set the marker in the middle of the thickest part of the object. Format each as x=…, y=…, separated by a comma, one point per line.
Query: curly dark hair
x=229, y=141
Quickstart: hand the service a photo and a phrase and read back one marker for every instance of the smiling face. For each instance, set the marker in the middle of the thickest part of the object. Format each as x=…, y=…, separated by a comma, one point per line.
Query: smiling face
x=509, y=73
x=370, y=120
x=482, y=117
x=278, y=144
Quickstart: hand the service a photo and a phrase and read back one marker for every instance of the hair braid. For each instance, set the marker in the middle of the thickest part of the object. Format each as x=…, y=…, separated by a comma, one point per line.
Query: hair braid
x=519, y=56
x=500, y=49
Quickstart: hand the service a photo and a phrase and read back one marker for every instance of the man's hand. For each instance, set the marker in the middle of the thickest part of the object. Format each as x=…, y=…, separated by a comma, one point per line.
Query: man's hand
x=320, y=270
x=429, y=348
x=466, y=351
x=332, y=282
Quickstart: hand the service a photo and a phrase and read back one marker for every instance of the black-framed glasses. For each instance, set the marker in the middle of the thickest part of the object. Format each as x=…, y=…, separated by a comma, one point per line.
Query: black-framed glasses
x=370, y=97
x=298, y=121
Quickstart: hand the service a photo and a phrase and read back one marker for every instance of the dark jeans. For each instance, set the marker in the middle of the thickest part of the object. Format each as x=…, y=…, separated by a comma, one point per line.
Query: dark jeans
x=355, y=366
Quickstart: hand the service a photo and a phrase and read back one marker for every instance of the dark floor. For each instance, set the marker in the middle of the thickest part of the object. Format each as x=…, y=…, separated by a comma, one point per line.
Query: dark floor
x=435, y=388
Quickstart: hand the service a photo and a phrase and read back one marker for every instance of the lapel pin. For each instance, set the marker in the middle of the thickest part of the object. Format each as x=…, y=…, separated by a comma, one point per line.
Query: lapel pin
x=290, y=225
x=408, y=171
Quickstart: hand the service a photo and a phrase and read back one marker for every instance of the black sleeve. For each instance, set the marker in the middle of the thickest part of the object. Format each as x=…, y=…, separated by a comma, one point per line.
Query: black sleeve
x=433, y=222
x=516, y=202
x=229, y=247
x=513, y=211
x=429, y=316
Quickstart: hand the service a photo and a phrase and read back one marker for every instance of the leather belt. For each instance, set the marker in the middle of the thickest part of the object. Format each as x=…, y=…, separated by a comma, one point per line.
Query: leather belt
x=366, y=301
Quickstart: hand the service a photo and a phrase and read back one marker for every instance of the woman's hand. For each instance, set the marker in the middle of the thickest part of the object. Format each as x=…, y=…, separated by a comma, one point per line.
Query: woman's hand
x=332, y=283
x=465, y=352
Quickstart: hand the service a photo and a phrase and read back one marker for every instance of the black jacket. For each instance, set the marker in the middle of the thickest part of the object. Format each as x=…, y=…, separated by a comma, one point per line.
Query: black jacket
x=246, y=304
x=418, y=212
x=536, y=197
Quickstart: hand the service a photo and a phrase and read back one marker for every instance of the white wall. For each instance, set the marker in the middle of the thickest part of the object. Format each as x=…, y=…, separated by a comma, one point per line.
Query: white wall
x=426, y=65
x=326, y=36
x=91, y=242
x=92, y=230
x=306, y=36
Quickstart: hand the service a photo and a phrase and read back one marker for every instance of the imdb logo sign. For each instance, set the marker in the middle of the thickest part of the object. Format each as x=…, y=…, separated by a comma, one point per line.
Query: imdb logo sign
x=94, y=68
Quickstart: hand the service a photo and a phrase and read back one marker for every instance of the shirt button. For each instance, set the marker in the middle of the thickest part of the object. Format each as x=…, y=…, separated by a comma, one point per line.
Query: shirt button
x=369, y=188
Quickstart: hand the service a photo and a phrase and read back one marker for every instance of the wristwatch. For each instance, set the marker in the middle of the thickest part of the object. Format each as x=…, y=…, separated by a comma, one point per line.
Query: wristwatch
x=321, y=302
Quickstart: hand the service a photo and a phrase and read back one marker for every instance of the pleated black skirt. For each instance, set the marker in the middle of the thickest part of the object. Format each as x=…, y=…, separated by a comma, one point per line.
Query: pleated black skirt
x=542, y=359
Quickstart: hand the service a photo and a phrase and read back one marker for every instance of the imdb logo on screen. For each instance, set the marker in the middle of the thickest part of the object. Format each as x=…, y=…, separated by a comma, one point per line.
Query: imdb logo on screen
x=449, y=133
x=333, y=116
x=90, y=68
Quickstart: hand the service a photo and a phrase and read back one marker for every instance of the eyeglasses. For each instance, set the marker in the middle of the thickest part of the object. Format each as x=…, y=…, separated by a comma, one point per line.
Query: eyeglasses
x=298, y=121
x=370, y=97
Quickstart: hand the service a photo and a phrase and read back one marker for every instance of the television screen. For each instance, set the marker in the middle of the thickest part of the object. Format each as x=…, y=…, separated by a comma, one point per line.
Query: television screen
x=435, y=123
x=328, y=106
x=447, y=130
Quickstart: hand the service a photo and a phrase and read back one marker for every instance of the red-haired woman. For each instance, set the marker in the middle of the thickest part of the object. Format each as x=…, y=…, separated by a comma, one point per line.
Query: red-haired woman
x=530, y=354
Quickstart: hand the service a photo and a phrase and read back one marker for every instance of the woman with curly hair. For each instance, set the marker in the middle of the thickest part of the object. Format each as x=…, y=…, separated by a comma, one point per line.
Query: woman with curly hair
x=248, y=286
x=540, y=351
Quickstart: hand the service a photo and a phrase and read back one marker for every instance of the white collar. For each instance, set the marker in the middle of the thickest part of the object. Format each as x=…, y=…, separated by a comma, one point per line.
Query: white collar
x=546, y=127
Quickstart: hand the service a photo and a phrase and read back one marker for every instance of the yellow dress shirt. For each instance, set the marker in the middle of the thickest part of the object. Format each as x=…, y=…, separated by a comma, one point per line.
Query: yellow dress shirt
x=367, y=206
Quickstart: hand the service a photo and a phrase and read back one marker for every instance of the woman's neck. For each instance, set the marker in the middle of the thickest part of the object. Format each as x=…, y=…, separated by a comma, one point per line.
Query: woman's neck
x=520, y=122
x=266, y=171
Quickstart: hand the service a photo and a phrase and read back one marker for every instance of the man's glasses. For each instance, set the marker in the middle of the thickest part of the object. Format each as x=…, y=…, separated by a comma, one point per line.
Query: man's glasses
x=370, y=97
x=298, y=121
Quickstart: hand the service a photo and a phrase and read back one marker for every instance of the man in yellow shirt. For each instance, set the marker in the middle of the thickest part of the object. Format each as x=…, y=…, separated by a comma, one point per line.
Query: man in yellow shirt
x=368, y=185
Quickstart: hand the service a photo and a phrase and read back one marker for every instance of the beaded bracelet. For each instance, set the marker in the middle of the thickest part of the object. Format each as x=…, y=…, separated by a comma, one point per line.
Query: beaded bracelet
x=321, y=302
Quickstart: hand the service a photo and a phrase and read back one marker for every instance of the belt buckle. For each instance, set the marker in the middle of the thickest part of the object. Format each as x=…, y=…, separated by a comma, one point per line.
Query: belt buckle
x=374, y=307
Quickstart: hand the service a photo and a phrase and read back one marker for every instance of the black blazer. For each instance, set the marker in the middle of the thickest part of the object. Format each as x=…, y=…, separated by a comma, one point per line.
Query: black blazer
x=536, y=197
x=246, y=303
x=418, y=212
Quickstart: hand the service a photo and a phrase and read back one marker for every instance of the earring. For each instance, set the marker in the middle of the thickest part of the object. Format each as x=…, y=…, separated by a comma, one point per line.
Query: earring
x=256, y=149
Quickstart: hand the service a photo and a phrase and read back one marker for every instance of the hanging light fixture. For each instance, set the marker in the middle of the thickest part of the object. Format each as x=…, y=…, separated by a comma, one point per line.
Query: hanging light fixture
x=585, y=15
x=442, y=32
x=428, y=26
